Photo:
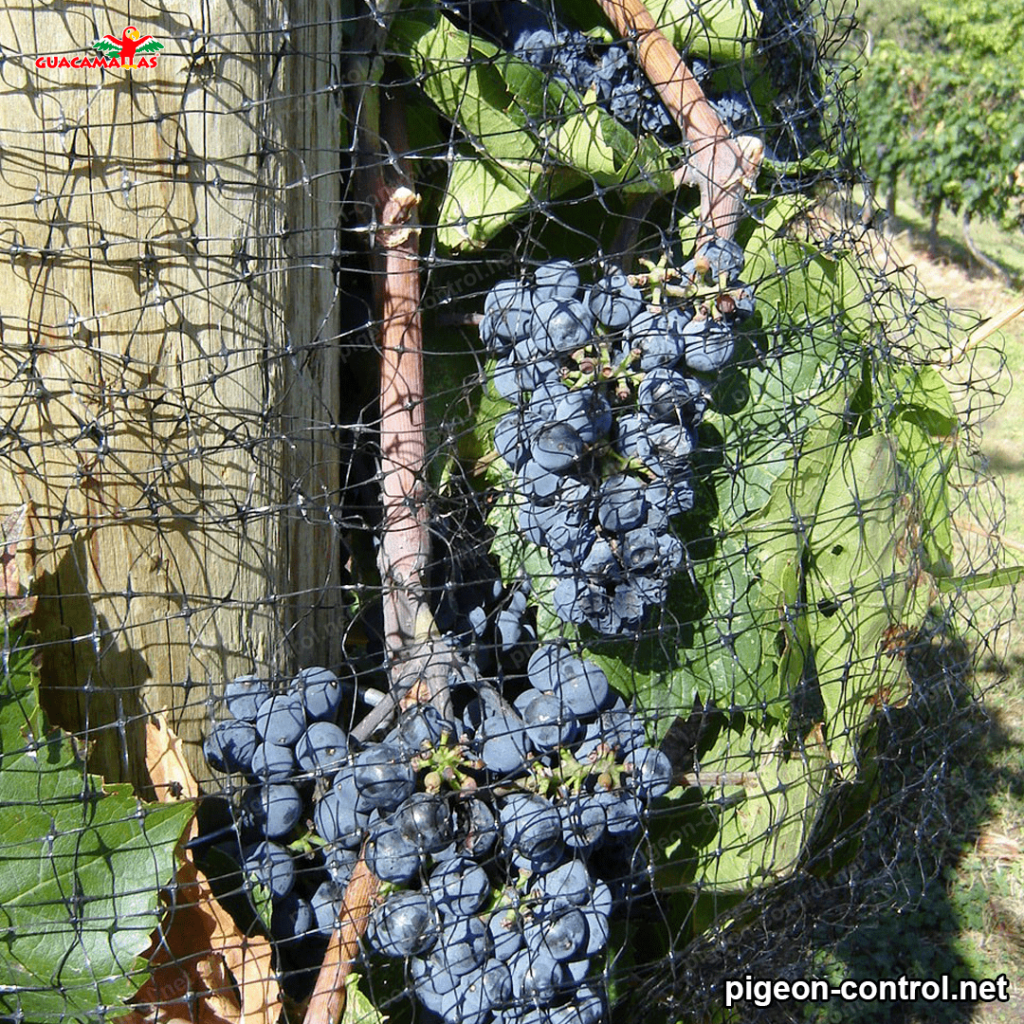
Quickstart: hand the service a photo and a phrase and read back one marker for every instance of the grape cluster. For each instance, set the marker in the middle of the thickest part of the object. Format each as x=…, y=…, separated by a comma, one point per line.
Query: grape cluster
x=621, y=87
x=505, y=838
x=508, y=839
x=619, y=84
x=609, y=391
x=283, y=743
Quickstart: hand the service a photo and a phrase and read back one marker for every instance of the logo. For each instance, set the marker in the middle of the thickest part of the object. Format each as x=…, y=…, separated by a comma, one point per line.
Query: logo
x=127, y=46
x=112, y=52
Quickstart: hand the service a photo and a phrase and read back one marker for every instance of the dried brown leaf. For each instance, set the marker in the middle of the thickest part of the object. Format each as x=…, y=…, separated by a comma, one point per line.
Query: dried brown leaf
x=15, y=605
x=198, y=954
x=165, y=758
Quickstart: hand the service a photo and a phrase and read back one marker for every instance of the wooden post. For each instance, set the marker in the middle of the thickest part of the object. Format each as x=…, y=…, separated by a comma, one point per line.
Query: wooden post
x=170, y=374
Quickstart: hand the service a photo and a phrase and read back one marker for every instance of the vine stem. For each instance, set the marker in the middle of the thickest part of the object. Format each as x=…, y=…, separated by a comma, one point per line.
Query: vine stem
x=418, y=662
x=722, y=167
x=327, y=1002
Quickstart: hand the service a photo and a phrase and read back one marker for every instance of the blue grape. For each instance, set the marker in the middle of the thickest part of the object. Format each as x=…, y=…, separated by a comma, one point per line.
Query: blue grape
x=322, y=748
x=570, y=884
x=537, y=372
x=671, y=552
x=563, y=934
x=529, y=824
x=477, y=618
x=620, y=728
x=338, y=820
x=390, y=856
x=291, y=918
x=505, y=378
x=628, y=602
x=632, y=439
x=281, y=808
x=724, y=256
x=651, y=772
x=588, y=413
x=339, y=864
x=382, y=776
x=243, y=696
x=272, y=762
x=511, y=441
x=539, y=484
x=320, y=691
x=709, y=345
x=598, y=928
x=509, y=629
x=583, y=686
x=421, y=727
x=497, y=981
x=549, y=724
x=463, y=946
x=586, y=1007
x=639, y=549
x=537, y=978
x=510, y=305
x=561, y=326
x=230, y=746
x=556, y=280
x=577, y=600
x=557, y=447
x=623, y=813
x=488, y=328
x=505, y=928
x=425, y=820
x=477, y=829
x=281, y=719
x=502, y=740
x=615, y=302
x=458, y=887
x=544, y=665
x=668, y=396
x=601, y=560
x=405, y=924
x=326, y=905
x=583, y=822
x=673, y=443
x=620, y=504
x=272, y=866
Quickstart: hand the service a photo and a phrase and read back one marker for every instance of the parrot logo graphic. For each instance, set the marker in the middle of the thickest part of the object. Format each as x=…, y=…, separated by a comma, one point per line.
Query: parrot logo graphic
x=125, y=48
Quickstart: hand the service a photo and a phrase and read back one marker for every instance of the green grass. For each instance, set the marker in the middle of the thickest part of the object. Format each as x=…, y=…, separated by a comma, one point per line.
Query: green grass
x=981, y=891
x=1003, y=247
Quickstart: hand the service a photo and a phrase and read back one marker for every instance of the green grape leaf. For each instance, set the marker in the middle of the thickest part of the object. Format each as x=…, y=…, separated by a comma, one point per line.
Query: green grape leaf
x=459, y=75
x=928, y=460
x=734, y=658
x=718, y=30
x=359, y=1008
x=923, y=396
x=768, y=799
x=861, y=585
x=81, y=867
x=483, y=196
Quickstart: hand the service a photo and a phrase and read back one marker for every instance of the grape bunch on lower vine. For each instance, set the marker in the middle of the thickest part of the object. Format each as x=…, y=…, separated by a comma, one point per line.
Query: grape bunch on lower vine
x=507, y=837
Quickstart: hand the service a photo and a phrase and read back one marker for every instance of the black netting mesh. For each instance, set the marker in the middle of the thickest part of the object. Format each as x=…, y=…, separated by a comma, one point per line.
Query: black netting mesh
x=722, y=451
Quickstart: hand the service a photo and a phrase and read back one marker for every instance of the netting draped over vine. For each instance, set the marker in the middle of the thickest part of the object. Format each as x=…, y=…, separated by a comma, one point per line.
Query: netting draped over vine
x=438, y=347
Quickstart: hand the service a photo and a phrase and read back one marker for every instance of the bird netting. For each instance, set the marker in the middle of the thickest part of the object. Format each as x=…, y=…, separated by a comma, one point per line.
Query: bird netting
x=492, y=533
